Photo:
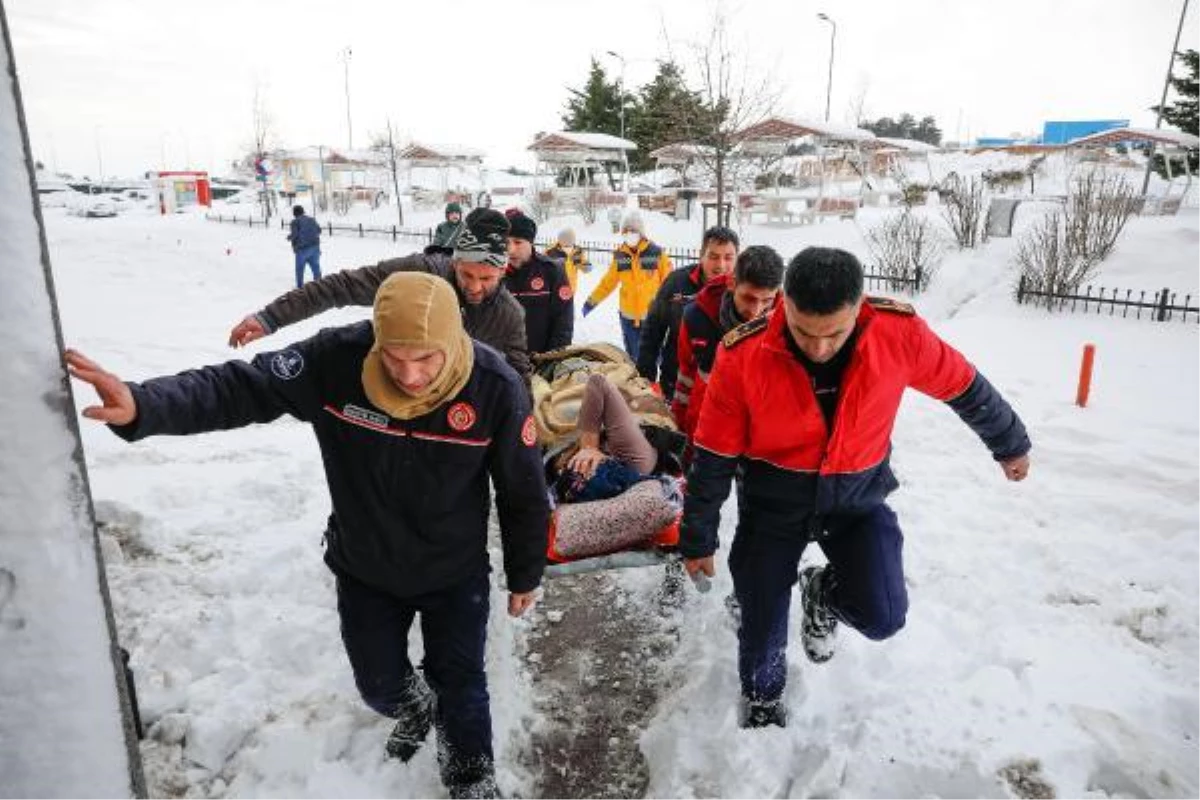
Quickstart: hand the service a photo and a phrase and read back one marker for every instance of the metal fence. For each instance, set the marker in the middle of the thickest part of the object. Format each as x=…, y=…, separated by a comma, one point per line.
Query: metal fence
x=682, y=256
x=1160, y=306
x=423, y=236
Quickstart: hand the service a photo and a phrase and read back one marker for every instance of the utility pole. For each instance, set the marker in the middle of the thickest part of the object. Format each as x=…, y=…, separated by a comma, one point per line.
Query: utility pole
x=1163, y=101
x=621, y=113
x=395, y=176
x=345, y=55
x=99, y=160
x=829, y=82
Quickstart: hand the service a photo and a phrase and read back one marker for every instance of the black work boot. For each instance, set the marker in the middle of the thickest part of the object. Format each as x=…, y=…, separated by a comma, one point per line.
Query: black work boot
x=761, y=713
x=466, y=777
x=414, y=717
x=482, y=787
x=818, y=633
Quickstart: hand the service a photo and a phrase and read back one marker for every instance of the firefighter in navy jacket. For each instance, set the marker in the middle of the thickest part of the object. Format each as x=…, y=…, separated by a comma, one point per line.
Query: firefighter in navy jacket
x=412, y=418
x=804, y=400
x=541, y=286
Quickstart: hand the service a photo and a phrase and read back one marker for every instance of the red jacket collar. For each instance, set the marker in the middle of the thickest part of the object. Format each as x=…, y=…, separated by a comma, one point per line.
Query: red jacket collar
x=710, y=294
x=777, y=328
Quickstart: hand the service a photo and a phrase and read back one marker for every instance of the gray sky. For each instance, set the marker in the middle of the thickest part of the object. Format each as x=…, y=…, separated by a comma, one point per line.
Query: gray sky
x=137, y=82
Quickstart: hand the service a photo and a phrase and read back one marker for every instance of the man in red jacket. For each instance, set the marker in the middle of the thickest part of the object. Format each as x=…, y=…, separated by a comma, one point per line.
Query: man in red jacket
x=804, y=401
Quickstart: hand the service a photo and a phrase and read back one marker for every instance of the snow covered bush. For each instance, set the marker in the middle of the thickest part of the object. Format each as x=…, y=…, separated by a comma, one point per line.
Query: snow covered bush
x=539, y=204
x=905, y=248
x=1064, y=250
x=963, y=205
x=914, y=194
x=588, y=205
x=1098, y=206
x=1003, y=180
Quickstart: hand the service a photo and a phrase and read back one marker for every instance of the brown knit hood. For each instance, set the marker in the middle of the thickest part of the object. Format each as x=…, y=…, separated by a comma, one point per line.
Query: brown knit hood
x=415, y=309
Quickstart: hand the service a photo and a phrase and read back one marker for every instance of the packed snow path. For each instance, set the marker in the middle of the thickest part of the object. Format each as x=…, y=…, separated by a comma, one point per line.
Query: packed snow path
x=599, y=658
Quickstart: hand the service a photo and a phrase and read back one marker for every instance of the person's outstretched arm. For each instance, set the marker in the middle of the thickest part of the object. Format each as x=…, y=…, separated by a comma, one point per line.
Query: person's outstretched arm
x=349, y=287
x=212, y=398
x=943, y=373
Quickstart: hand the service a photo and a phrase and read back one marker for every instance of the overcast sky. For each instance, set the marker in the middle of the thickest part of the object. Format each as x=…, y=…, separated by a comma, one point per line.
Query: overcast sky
x=140, y=84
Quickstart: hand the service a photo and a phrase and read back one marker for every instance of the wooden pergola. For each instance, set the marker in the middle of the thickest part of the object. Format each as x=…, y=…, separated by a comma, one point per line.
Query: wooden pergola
x=441, y=158
x=579, y=152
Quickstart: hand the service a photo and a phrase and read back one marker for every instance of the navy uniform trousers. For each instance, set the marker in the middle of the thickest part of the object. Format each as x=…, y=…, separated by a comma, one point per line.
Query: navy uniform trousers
x=375, y=629
x=867, y=590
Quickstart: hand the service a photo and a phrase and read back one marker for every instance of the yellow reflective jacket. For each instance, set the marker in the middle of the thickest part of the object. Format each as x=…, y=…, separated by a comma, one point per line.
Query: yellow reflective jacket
x=639, y=271
x=572, y=263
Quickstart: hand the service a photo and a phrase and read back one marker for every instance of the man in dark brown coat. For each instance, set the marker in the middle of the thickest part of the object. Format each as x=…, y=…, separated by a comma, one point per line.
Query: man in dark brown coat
x=476, y=270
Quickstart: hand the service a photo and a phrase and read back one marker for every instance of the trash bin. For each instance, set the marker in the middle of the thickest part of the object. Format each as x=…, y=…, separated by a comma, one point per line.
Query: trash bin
x=683, y=203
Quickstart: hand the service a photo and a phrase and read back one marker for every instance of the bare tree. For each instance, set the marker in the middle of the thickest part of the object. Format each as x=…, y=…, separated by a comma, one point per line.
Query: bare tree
x=856, y=108
x=263, y=143
x=385, y=144
x=732, y=99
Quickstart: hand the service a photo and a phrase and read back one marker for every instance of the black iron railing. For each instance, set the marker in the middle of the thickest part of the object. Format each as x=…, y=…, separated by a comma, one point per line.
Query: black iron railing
x=1161, y=306
x=681, y=256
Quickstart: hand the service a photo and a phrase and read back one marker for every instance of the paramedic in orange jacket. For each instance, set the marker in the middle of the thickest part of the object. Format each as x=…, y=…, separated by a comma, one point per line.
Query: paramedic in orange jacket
x=804, y=400
x=639, y=266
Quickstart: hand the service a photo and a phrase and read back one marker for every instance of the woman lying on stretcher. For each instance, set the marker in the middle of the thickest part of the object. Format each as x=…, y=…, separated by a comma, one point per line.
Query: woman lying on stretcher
x=610, y=493
x=613, y=449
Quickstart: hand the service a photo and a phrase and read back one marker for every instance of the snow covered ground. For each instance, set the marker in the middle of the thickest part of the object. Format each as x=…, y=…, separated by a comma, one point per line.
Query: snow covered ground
x=1052, y=637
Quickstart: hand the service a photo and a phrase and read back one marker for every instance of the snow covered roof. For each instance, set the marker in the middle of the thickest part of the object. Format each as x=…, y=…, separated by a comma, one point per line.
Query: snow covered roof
x=329, y=154
x=1158, y=136
x=425, y=151
x=680, y=152
x=789, y=128
x=568, y=140
x=910, y=145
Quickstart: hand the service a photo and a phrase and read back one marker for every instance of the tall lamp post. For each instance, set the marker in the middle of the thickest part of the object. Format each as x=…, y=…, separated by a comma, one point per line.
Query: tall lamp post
x=345, y=56
x=829, y=82
x=1163, y=101
x=621, y=112
x=99, y=159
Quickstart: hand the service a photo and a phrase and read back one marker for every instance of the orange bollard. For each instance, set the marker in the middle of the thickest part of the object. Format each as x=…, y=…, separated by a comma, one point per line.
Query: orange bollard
x=1085, y=375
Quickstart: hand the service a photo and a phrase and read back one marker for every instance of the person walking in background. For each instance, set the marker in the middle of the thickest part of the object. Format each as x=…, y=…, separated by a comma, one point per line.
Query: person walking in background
x=446, y=232
x=305, y=237
x=416, y=423
x=803, y=402
x=573, y=259
x=657, y=359
x=639, y=266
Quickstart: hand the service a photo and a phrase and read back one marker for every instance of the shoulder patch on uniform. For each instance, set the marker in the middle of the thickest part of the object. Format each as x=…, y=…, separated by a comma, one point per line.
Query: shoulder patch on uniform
x=891, y=306
x=745, y=330
x=287, y=364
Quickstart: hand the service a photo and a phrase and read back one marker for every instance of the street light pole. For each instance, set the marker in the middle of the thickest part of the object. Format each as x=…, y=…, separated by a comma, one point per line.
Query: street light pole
x=1162, y=102
x=345, y=55
x=621, y=113
x=832, y=37
x=99, y=158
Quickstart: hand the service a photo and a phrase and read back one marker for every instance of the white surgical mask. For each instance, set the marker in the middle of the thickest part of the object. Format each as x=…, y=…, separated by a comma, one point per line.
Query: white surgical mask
x=632, y=238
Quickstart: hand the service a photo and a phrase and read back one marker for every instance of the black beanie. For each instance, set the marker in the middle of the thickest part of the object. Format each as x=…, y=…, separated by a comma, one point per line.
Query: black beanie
x=521, y=226
x=483, y=238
